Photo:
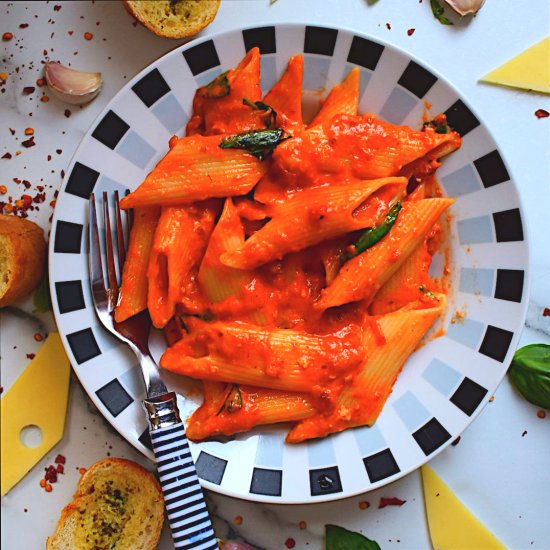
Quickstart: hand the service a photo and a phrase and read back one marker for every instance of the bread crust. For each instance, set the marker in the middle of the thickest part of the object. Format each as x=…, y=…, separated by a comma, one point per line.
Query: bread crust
x=23, y=258
x=105, y=470
x=209, y=13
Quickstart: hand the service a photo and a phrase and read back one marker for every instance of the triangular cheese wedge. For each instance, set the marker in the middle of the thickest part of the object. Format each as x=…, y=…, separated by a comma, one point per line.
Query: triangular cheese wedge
x=452, y=526
x=529, y=70
x=39, y=397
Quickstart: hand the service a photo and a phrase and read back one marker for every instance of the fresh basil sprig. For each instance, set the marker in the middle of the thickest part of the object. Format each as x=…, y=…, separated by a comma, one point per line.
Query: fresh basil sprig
x=219, y=87
x=260, y=143
x=338, y=538
x=374, y=234
x=270, y=113
x=530, y=373
x=439, y=12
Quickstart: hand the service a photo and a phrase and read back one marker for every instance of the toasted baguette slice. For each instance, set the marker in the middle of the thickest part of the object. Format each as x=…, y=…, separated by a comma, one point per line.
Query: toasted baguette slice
x=22, y=258
x=173, y=18
x=117, y=505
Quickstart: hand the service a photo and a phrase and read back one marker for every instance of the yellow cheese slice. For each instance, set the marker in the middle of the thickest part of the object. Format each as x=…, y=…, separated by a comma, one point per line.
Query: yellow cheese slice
x=38, y=398
x=529, y=70
x=452, y=526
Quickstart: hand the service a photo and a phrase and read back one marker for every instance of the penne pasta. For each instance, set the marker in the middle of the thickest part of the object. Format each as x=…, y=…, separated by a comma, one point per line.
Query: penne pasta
x=248, y=354
x=196, y=168
x=232, y=409
x=342, y=99
x=179, y=244
x=362, y=276
x=133, y=287
x=360, y=402
x=315, y=215
x=286, y=96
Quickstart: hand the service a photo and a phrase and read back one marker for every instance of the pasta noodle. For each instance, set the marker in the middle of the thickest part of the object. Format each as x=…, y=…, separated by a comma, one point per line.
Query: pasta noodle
x=288, y=264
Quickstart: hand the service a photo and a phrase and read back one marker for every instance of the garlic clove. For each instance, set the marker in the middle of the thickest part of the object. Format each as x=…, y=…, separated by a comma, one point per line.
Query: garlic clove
x=75, y=87
x=464, y=7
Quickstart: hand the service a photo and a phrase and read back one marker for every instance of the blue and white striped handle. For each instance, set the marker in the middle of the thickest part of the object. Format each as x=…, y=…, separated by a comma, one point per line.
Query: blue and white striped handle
x=185, y=505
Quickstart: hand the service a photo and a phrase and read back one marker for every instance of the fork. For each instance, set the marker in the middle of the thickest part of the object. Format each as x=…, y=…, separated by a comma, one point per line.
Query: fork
x=184, y=501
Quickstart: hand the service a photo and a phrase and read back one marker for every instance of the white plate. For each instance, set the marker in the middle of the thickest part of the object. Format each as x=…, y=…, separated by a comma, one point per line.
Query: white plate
x=443, y=386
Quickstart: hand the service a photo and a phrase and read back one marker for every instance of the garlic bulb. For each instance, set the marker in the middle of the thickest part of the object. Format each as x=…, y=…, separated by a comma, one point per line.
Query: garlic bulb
x=75, y=87
x=464, y=7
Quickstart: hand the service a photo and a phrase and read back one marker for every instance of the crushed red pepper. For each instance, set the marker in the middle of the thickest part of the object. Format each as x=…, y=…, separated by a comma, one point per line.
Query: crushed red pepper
x=542, y=113
x=7, y=156
x=410, y=32
x=541, y=413
x=88, y=35
x=7, y=36
x=28, y=142
x=390, y=501
x=290, y=543
x=546, y=312
x=28, y=90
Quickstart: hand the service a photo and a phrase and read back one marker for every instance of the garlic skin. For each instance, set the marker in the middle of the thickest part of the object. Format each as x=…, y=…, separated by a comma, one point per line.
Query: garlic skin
x=465, y=7
x=74, y=87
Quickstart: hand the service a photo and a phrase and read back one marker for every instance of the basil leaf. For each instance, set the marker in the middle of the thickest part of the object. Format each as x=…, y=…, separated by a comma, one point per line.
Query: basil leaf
x=530, y=373
x=41, y=297
x=338, y=538
x=374, y=234
x=260, y=143
x=439, y=12
x=270, y=113
x=219, y=87
x=233, y=400
x=427, y=292
x=441, y=126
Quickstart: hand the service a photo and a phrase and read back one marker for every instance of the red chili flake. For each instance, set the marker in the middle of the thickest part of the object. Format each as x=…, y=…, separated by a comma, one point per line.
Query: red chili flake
x=51, y=474
x=45, y=52
x=59, y=151
x=60, y=469
x=82, y=471
x=542, y=113
x=67, y=113
x=546, y=312
x=7, y=36
x=410, y=32
x=56, y=8
x=44, y=99
x=290, y=543
x=60, y=459
x=3, y=189
x=390, y=501
x=302, y=524
x=29, y=131
x=31, y=356
x=70, y=33
x=456, y=442
x=38, y=337
x=6, y=156
x=388, y=26
x=237, y=520
x=88, y=35
x=363, y=505
x=49, y=158
x=12, y=131
x=27, y=90
x=541, y=413
x=23, y=25
x=40, y=82
x=28, y=142
x=27, y=184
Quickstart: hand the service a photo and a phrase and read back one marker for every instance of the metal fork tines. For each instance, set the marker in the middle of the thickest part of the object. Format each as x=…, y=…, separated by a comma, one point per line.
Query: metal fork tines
x=186, y=509
x=105, y=290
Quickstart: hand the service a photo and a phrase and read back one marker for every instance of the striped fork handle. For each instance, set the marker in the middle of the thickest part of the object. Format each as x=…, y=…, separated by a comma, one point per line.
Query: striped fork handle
x=183, y=498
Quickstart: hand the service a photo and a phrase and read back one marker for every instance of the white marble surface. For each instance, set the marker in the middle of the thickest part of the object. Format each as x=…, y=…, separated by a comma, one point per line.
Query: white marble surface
x=500, y=468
